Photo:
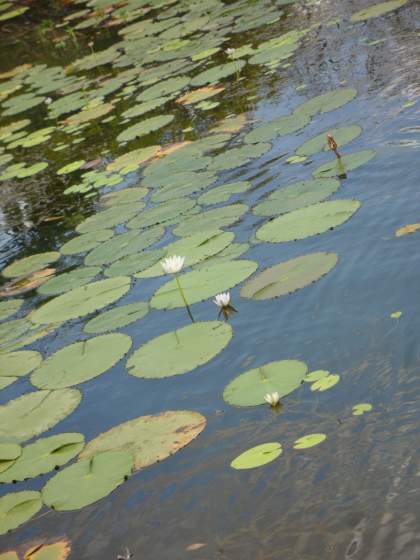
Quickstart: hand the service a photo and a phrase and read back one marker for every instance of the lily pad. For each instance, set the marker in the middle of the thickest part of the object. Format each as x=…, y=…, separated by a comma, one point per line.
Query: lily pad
x=144, y=127
x=18, y=507
x=117, y=318
x=9, y=452
x=164, y=88
x=340, y=166
x=305, y=442
x=203, y=283
x=216, y=218
x=316, y=375
x=180, y=351
x=124, y=196
x=188, y=183
x=110, y=217
x=27, y=265
x=325, y=383
x=81, y=361
x=168, y=213
x=132, y=160
x=289, y=276
x=257, y=456
x=17, y=364
x=342, y=135
x=43, y=456
x=249, y=388
x=377, y=10
x=327, y=102
x=296, y=195
x=217, y=73
x=87, y=481
x=81, y=301
x=69, y=280
x=70, y=167
x=308, y=221
x=6, y=381
x=361, y=408
x=135, y=263
x=281, y=126
x=149, y=439
x=406, y=230
x=34, y=413
x=86, y=242
x=58, y=550
x=223, y=193
x=9, y=308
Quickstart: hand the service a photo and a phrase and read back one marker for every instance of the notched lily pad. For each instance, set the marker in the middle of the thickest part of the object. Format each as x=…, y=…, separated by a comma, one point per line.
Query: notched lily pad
x=18, y=507
x=27, y=265
x=257, y=456
x=310, y=440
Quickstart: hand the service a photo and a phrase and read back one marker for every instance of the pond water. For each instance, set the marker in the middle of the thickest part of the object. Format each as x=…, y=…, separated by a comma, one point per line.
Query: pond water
x=83, y=74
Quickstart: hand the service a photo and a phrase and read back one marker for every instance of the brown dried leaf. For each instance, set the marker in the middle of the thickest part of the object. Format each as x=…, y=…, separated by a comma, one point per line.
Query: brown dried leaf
x=409, y=228
x=58, y=550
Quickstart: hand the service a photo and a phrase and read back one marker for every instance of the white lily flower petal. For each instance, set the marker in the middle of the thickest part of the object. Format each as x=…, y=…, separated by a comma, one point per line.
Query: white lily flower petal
x=222, y=300
x=172, y=265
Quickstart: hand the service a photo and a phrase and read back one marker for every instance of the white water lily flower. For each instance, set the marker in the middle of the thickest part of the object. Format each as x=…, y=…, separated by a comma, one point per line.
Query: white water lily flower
x=172, y=265
x=272, y=399
x=229, y=51
x=222, y=300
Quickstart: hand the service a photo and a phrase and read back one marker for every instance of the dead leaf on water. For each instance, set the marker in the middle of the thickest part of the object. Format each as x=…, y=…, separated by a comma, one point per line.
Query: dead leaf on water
x=195, y=546
x=405, y=230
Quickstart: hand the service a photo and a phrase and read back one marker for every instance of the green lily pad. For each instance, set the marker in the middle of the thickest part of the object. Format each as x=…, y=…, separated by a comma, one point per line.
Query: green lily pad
x=257, y=456
x=249, y=388
x=189, y=184
x=236, y=157
x=110, y=217
x=87, y=481
x=342, y=135
x=10, y=555
x=145, y=107
x=232, y=251
x=69, y=280
x=34, y=413
x=81, y=301
x=223, y=193
x=289, y=276
x=27, y=265
x=18, y=364
x=316, y=375
x=21, y=332
x=70, y=167
x=217, y=73
x=123, y=244
x=305, y=442
x=86, y=242
x=377, y=10
x=43, y=456
x=326, y=102
x=396, y=315
x=308, y=221
x=180, y=351
x=9, y=452
x=20, y=103
x=135, y=263
x=325, y=383
x=59, y=550
x=164, y=88
x=281, y=126
x=81, y=361
x=117, y=318
x=361, y=408
x=296, y=195
x=124, y=196
x=167, y=214
x=340, y=166
x=202, y=283
x=132, y=160
x=196, y=247
x=216, y=218
x=144, y=127
x=6, y=381
x=9, y=308
x=18, y=507
x=149, y=439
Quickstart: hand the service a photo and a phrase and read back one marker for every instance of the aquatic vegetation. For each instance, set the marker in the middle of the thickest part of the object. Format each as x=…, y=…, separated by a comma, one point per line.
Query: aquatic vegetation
x=310, y=440
x=257, y=456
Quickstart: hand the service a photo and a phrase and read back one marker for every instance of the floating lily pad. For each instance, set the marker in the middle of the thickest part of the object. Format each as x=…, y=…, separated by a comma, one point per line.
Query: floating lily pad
x=305, y=442
x=281, y=126
x=21, y=285
x=70, y=167
x=236, y=157
x=81, y=361
x=217, y=73
x=9, y=308
x=289, y=276
x=361, y=408
x=338, y=167
x=149, y=438
x=81, y=301
x=197, y=95
x=34, y=413
x=10, y=555
x=144, y=127
x=326, y=102
x=6, y=381
x=145, y=107
x=223, y=193
x=9, y=452
x=117, y=318
x=59, y=550
x=377, y=10
x=296, y=195
x=132, y=160
x=202, y=283
x=249, y=388
x=17, y=364
x=27, y=265
x=69, y=280
x=316, y=375
x=196, y=248
x=257, y=456
x=21, y=332
x=124, y=196
x=87, y=481
x=18, y=507
x=167, y=214
x=135, y=263
x=216, y=218
x=110, y=217
x=189, y=184
x=180, y=351
x=396, y=315
x=43, y=456
x=342, y=135
x=325, y=383
x=164, y=88
x=86, y=242
x=308, y=221
x=405, y=230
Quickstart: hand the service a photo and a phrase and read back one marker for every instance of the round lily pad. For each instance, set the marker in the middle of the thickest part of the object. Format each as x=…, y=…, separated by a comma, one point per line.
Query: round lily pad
x=281, y=126
x=216, y=218
x=82, y=301
x=315, y=375
x=9, y=308
x=9, y=452
x=338, y=167
x=249, y=388
x=6, y=381
x=149, y=439
x=34, y=413
x=144, y=127
x=180, y=351
x=342, y=135
x=223, y=193
x=10, y=555
x=117, y=318
x=296, y=195
x=86, y=242
x=69, y=280
x=27, y=265
x=110, y=217
x=326, y=102
x=202, y=283
x=81, y=361
x=377, y=10
x=257, y=456
x=87, y=481
x=308, y=221
x=182, y=184
x=17, y=364
x=43, y=456
x=305, y=442
x=325, y=383
x=358, y=410
x=123, y=196
x=170, y=212
x=18, y=507
x=137, y=262
x=289, y=276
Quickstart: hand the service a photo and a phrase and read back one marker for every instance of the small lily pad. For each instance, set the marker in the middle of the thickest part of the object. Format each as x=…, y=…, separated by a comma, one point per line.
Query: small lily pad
x=338, y=167
x=18, y=507
x=310, y=440
x=405, y=230
x=396, y=315
x=18, y=364
x=342, y=135
x=58, y=550
x=316, y=375
x=144, y=127
x=325, y=383
x=361, y=408
x=257, y=456
x=27, y=265
x=117, y=318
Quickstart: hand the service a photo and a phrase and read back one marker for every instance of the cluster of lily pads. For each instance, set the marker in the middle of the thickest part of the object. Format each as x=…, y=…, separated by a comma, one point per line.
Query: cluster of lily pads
x=178, y=61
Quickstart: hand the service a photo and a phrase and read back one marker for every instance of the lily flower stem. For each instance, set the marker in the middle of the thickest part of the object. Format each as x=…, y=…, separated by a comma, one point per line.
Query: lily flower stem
x=184, y=299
